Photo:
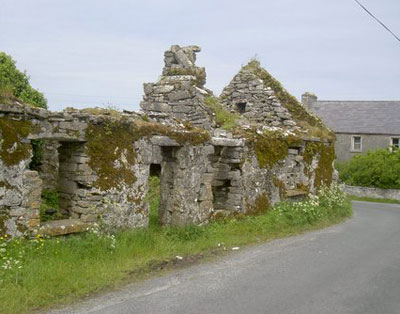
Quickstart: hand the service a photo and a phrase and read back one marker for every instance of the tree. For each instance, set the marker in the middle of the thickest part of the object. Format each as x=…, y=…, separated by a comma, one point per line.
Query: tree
x=14, y=83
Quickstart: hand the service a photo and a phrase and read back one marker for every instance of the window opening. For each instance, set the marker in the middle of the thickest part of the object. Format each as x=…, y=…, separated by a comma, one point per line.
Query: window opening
x=241, y=107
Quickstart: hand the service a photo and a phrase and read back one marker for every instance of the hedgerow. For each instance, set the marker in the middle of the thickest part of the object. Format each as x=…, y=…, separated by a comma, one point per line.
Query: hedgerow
x=380, y=169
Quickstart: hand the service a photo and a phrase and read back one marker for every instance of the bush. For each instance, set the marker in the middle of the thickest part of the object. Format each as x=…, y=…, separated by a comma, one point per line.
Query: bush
x=14, y=83
x=380, y=169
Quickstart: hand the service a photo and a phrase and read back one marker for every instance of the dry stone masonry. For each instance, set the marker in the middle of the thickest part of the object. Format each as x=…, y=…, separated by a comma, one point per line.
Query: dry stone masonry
x=180, y=93
x=99, y=161
x=247, y=94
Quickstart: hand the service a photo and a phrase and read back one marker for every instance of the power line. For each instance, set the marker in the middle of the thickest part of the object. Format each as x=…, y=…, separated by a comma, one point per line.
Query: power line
x=376, y=19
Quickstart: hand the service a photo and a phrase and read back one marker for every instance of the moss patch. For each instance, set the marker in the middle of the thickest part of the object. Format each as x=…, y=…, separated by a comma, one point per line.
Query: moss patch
x=302, y=187
x=271, y=147
x=4, y=184
x=261, y=205
x=111, y=150
x=324, y=169
x=102, y=111
x=12, y=149
x=4, y=216
x=188, y=135
x=281, y=186
x=107, y=143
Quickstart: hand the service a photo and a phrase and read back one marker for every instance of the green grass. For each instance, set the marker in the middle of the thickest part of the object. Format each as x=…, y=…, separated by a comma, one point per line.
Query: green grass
x=222, y=116
x=61, y=270
x=372, y=199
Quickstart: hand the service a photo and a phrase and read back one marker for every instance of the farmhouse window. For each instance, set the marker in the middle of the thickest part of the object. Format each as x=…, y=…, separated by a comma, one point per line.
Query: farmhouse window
x=395, y=142
x=356, y=143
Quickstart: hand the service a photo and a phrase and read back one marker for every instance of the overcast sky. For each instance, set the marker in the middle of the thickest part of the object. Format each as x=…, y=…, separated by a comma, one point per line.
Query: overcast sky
x=96, y=52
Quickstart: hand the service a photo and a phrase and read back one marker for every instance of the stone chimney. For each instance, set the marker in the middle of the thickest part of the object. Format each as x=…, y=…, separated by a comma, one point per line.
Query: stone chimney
x=179, y=93
x=308, y=99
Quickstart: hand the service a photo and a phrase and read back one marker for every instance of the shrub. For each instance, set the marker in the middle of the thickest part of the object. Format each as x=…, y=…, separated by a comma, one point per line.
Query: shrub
x=380, y=168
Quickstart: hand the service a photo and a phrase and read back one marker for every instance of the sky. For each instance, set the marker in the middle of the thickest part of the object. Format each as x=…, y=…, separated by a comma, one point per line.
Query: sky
x=99, y=53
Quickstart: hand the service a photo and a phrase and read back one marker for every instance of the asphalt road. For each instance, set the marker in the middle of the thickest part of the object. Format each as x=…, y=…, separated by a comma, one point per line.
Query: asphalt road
x=353, y=267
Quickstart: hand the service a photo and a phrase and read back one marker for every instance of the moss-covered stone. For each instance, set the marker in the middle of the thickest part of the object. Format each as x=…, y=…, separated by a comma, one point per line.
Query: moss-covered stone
x=261, y=205
x=111, y=150
x=271, y=147
x=303, y=118
x=326, y=156
x=107, y=143
x=5, y=184
x=12, y=149
x=281, y=186
x=3, y=218
x=303, y=187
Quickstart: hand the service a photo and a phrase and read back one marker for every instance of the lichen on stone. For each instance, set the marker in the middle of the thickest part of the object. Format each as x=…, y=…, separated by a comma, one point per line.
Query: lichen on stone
x=271, y=147
x=303, y=118
x=4, y=216
x=108, y=142
x=261, y=205
x=12, y=148
x=325, y=152
x=198, y=73
x=112, y=153
x=281, y=186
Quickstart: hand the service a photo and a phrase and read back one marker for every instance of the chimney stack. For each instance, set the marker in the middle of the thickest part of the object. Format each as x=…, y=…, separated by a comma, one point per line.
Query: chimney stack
x=308, y=99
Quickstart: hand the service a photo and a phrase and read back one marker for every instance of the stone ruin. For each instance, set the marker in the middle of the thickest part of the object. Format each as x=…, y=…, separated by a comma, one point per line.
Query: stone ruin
x=99, y=160
x=180, y=91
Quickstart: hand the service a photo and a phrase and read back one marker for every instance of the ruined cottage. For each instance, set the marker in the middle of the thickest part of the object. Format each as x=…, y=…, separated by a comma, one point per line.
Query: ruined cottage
x=99, y=161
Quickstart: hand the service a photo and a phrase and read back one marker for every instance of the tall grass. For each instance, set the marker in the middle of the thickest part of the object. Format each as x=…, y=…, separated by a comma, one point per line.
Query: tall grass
x=223, y=117
x=40, y=273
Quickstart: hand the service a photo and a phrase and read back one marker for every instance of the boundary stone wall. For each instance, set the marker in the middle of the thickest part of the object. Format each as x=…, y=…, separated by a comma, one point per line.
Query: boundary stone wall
x=363, y=191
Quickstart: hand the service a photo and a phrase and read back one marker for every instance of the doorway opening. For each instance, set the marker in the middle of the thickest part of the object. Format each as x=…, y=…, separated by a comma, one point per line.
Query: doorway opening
x=67, y=176
x=154, y=195
x=220, y=194
x=45, y=162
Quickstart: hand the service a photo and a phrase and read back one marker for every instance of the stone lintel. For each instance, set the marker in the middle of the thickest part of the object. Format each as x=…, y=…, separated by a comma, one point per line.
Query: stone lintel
x=220, y=141
x=164, y=141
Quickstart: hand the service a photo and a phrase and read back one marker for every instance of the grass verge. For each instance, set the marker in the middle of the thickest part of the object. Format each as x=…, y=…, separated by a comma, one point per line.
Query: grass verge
x=372, y=199
x=41, y=273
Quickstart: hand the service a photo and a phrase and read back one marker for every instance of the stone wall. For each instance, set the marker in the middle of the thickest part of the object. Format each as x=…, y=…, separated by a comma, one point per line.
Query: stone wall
x=363, y=191
x=247, y=95
x=179, y=93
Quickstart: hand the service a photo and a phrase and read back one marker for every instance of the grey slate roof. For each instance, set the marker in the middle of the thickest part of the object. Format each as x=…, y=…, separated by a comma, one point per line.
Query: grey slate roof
x=364, y=117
